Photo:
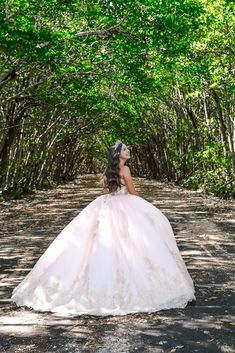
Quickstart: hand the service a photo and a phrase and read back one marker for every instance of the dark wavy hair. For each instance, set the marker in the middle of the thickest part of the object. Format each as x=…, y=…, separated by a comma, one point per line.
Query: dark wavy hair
x=112, y=178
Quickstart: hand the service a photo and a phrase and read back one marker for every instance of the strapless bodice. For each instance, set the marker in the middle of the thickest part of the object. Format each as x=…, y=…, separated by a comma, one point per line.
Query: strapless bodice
x=122, y=190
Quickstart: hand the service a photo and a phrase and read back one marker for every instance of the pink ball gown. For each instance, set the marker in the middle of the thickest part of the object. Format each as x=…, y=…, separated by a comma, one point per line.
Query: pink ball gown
x=117, y=256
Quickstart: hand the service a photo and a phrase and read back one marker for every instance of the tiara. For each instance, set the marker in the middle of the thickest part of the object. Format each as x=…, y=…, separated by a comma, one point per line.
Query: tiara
x=117, y=144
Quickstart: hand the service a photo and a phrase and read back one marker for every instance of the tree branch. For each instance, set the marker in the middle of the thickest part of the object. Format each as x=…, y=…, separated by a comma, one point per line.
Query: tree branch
x=102, y=32
x=19, y=95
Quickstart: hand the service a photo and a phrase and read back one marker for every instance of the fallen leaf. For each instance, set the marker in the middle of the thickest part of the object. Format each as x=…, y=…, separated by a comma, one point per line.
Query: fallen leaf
x=175, y=348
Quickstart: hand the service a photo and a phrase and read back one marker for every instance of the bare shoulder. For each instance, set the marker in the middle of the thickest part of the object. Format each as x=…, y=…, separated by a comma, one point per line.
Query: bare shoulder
x=125, y=171
x=126, y=174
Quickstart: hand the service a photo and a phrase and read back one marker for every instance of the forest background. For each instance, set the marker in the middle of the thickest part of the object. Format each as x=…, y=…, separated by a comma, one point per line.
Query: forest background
x=77, y=75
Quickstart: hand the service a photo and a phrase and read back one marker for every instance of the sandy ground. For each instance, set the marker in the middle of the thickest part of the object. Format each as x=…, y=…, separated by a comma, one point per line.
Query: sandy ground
x=204, y=227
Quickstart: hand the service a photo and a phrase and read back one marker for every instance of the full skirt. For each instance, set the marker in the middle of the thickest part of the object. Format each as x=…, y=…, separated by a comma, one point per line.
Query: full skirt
x=117, y=256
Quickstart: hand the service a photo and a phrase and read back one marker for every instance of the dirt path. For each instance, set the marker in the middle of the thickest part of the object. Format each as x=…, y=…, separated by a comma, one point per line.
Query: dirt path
x=204, y=229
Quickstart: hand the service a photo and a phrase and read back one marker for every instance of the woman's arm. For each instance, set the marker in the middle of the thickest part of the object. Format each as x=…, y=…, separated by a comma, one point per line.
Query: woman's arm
x=105, y=187
x=128, y=181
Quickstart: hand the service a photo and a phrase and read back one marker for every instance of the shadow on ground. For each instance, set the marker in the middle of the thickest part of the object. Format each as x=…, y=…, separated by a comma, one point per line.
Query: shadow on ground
x=204, y=227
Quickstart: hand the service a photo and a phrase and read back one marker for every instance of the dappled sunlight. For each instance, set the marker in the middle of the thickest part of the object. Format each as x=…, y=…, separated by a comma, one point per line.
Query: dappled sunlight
x=204, y=229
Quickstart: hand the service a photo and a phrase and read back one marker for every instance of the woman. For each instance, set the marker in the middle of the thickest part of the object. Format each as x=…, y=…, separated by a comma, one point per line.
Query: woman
x=118, y=256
